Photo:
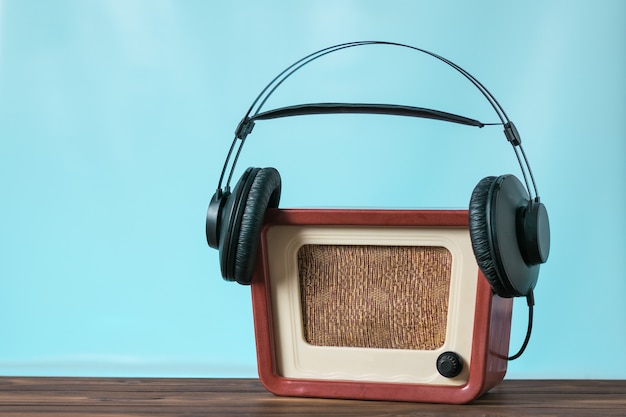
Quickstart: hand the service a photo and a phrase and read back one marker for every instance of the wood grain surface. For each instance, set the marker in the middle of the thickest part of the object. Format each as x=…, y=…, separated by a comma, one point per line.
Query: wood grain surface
x=22, y=396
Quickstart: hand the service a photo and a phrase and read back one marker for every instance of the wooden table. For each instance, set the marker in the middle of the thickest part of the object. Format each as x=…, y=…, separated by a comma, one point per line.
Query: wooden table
x=247, y=397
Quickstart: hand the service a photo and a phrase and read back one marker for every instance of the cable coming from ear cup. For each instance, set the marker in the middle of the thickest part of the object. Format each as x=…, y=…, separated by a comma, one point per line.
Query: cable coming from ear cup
x=247, y=123
x=530, y=300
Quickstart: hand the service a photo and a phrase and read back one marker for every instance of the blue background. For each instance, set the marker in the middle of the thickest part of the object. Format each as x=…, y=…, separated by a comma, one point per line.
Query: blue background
x=115, y=119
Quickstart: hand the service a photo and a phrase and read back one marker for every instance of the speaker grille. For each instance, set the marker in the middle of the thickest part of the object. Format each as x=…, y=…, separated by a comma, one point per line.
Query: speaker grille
x=389, y=297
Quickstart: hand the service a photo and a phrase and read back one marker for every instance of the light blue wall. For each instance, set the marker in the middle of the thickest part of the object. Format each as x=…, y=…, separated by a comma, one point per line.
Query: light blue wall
x=115, y=118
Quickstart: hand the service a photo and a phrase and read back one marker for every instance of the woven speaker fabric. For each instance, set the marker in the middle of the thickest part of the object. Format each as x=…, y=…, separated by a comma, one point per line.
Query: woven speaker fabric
x=389, y=297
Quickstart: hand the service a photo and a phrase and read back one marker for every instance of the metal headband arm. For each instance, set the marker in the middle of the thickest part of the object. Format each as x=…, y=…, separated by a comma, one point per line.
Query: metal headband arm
x=247, y=123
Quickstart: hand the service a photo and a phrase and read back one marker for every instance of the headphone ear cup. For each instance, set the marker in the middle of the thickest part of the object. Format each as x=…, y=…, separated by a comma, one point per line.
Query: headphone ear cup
x=479, y=227
x=495, y=209
x=259, y=190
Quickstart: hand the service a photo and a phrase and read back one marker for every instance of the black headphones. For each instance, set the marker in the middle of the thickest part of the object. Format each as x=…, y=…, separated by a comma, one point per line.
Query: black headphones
x=509, y=228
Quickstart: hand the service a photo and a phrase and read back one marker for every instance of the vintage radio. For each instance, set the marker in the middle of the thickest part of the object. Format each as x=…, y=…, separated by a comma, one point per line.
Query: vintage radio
x=383, y=305
x=380, y=304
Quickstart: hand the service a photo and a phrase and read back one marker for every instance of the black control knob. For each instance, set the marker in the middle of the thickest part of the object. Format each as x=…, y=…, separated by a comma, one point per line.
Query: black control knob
x=449, y=364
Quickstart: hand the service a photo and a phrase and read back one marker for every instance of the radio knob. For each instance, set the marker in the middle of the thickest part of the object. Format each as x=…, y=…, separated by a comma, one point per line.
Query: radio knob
x=449, y=364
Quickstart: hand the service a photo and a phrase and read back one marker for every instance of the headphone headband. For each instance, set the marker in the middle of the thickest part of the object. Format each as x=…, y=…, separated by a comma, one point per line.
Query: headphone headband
x=244, y=128
x=246, y=125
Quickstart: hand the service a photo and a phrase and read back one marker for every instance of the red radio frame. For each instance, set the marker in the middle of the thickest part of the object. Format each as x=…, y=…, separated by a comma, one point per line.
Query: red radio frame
x=491, y=333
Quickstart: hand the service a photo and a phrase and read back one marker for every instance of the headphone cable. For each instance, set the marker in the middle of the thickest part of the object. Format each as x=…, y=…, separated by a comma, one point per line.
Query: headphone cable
x=530, y=299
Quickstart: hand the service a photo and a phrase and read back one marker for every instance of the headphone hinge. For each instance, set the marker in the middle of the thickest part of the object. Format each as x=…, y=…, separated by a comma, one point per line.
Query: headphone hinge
x=511, y=133
x=244, y=128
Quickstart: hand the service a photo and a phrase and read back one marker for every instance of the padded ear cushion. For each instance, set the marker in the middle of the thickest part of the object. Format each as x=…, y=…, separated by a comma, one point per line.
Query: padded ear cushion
x=230, y=219
x=495, y=209
x=263, y=193
x=479, y=227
